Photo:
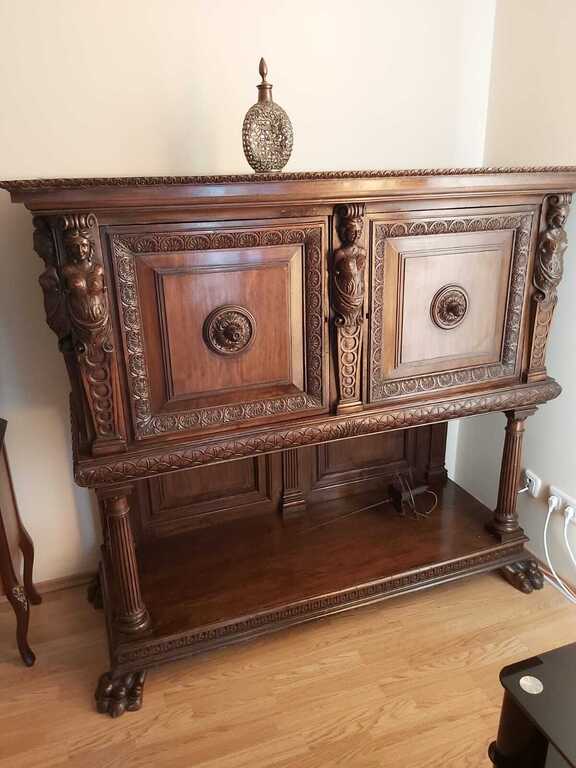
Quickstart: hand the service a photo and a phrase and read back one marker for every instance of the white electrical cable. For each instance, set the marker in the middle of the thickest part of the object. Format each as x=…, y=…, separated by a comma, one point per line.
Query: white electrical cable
x=569, y=513
x=553, y=504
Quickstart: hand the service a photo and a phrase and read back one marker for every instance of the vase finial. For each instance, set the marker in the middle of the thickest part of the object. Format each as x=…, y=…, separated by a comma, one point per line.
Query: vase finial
x=263, y=69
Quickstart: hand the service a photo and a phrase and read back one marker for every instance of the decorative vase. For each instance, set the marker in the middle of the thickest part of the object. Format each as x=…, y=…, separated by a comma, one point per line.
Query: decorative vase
x=267, y=131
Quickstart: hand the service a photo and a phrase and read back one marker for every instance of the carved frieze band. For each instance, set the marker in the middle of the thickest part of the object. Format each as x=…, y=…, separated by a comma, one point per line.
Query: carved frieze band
x=319, y=606
x=125, y=250
x=267, y=441
x=348, y=288
x=381, y=388
x=548, y=271
x=77, y=310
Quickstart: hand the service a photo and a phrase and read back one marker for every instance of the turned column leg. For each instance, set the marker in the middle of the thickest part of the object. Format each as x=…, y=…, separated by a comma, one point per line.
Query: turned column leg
x=130, y=614
x=505, y=523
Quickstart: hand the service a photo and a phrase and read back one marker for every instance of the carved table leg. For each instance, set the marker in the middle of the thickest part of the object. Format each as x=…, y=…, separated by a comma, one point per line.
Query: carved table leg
x=525, y=575
x=116, y=694
x=19, y=602
x=505, y=523
x=130, y=614
x=16, y=595
x=27, y=549
x=94, y=593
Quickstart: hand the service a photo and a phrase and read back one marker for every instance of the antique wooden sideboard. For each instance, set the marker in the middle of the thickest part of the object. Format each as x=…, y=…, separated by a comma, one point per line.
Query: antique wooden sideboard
x=256, y=362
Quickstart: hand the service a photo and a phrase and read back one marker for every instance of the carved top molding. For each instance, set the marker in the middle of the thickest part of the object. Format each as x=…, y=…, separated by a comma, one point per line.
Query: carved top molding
x=139, y=181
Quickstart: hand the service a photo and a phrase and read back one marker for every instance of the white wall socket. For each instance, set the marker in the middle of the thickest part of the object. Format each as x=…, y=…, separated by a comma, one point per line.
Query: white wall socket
x=532, y=482
x=565, y=500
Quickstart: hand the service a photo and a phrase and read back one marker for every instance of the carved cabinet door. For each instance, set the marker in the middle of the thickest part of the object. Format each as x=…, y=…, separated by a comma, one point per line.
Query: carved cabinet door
x=448, y=299
x=221, y=325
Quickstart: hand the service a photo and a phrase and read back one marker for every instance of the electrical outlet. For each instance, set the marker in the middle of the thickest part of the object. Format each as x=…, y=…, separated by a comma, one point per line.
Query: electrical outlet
x=565, y=500
x=532, y=482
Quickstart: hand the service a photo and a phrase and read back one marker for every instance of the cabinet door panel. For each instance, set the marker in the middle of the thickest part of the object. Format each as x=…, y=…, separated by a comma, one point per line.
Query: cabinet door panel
x=448, y=297
x=209, y=495
x=223, y=326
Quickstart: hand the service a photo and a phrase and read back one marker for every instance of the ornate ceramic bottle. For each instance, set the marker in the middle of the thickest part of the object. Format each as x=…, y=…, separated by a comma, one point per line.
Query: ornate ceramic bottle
x=267, y=131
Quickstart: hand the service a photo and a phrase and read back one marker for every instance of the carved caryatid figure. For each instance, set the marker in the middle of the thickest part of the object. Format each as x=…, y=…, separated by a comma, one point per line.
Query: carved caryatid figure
x=50, y=282
x=349, y=263
x=348, y=302
x=84, y=280
x=88, y=313
x=548, y=271
x=551, y=249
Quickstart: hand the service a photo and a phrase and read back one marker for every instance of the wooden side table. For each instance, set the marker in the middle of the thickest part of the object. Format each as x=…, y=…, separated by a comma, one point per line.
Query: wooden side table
x=16, y=550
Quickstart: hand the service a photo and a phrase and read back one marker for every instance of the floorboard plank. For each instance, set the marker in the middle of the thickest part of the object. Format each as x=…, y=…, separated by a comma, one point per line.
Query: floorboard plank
x=413, y=681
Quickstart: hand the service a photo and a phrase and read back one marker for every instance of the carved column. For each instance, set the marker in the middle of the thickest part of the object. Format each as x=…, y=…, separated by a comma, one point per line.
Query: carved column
x=293, y=498
x=130, y=614
x=505, y=523
x=348, y=304
x=77, y=310
x=548, y=270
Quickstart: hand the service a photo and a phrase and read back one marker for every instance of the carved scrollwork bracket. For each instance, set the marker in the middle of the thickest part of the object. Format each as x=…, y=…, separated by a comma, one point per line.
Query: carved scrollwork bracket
x=77, y=310
x=348, y=288
x=548, y=270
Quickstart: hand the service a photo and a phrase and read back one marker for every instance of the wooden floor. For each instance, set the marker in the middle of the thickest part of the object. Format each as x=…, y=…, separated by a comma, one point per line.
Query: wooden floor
x=412, y=682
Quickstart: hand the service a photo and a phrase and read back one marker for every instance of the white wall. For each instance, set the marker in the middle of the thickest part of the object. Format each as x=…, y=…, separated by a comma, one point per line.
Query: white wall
x=531, y=116
x=109, y=87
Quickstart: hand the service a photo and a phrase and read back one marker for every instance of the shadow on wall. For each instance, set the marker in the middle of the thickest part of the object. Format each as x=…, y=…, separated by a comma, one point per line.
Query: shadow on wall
x=34, y=399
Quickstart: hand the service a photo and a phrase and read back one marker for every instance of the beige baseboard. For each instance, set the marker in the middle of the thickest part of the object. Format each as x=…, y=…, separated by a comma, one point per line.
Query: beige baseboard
x=55, y=585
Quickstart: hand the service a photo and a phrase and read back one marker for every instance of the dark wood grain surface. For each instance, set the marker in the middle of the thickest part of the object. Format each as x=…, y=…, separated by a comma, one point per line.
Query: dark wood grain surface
x=212, y=319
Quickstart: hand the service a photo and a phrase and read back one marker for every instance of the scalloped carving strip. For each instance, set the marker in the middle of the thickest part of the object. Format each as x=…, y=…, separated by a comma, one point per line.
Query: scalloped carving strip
x=382, y=389
x=124, y=250
x=295, y=437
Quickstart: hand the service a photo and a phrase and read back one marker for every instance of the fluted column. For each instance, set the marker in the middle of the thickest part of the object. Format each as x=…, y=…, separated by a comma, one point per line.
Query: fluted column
x=130, y=615
x=505, y=523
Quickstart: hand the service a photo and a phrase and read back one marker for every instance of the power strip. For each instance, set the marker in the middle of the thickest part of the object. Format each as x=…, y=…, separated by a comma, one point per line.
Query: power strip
x=565, y=500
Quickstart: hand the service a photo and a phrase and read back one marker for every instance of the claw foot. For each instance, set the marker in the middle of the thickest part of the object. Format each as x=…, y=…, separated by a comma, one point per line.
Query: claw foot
x=118, y=694
x=524, y=575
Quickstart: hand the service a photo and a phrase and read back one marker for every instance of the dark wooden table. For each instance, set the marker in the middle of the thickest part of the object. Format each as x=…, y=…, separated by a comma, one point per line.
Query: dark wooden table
x=537, y=719
x=16, y=550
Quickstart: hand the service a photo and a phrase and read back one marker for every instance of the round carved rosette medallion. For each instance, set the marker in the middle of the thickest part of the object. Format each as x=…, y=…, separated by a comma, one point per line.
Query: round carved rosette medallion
x=229, y=330
x=449, y=306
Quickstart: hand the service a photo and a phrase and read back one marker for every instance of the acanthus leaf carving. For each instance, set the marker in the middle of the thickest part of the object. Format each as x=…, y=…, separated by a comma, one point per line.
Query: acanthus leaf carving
x=348, y=288
x=548, y=271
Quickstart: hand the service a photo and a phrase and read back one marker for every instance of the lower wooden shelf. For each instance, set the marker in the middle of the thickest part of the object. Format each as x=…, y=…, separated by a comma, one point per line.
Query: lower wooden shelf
x=238, y=580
